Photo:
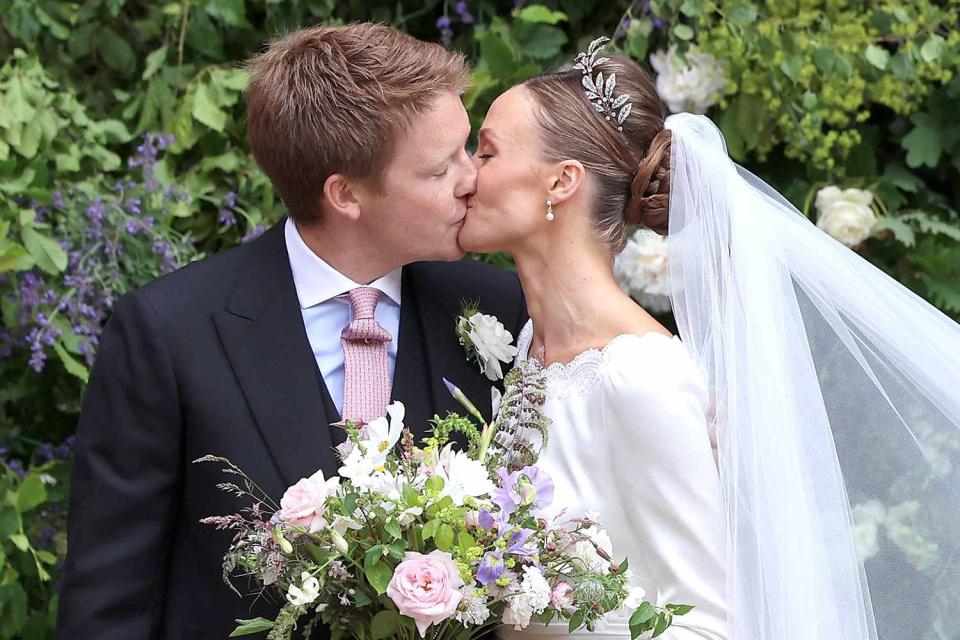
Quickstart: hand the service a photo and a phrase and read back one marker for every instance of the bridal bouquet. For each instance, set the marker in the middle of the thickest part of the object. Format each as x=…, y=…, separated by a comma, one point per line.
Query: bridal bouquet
x=413, y=540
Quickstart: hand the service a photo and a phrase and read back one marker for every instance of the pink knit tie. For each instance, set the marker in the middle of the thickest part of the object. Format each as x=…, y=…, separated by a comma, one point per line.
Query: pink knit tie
x=366, y=388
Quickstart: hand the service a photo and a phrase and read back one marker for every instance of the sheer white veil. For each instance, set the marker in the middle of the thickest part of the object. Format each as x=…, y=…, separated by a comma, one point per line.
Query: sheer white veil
x=838, y=412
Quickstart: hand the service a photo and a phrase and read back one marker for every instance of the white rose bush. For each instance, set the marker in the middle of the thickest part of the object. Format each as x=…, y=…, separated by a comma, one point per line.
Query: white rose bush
x=846, y=214
x=409, y=540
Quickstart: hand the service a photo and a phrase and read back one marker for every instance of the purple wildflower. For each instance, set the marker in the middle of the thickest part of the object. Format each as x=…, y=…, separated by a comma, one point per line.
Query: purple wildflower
x=254, y=233
x=491, y=568
x=531, y=486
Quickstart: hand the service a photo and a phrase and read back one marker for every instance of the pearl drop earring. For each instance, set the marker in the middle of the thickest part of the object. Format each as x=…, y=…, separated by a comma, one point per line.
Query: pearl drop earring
x=550, y=215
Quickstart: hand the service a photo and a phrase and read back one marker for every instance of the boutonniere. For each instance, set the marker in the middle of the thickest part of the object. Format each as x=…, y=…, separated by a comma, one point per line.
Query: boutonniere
x=486, y=341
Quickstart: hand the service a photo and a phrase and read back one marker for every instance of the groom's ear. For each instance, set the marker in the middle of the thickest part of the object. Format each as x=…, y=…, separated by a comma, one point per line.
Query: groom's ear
x=564, y=180
x=342, y=197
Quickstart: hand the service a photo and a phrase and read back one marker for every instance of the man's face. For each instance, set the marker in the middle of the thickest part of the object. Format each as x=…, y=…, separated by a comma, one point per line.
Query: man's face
x=420, y=209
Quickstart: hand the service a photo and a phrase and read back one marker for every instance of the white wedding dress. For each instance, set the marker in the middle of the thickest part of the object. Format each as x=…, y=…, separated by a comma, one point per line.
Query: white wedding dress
x=628, y=440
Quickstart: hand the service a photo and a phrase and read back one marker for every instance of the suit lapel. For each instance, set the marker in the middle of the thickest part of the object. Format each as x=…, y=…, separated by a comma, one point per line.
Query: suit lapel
x=264, y=338
x=429, y=351
x=411, y=372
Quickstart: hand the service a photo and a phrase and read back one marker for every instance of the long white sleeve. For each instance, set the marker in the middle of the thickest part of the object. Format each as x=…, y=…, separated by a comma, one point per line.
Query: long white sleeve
x=654, y=413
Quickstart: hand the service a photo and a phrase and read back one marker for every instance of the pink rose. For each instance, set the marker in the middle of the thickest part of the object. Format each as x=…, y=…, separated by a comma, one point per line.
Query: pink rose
x=562, y=596
x=304, y=504
x=426, y=588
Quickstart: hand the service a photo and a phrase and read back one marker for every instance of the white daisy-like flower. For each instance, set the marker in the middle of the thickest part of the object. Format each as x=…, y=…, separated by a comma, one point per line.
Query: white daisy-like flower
x=532, y=598
x=462, y=476
x=473, y=607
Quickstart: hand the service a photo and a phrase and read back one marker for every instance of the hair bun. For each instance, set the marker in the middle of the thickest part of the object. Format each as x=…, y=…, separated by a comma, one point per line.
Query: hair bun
x=649, y=203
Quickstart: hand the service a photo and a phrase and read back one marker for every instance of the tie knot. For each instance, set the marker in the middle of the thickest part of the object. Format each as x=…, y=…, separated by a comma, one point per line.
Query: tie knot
x=363, y=301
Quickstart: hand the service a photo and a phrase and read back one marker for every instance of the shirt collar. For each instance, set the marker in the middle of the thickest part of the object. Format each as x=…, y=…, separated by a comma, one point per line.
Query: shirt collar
x=316, y=281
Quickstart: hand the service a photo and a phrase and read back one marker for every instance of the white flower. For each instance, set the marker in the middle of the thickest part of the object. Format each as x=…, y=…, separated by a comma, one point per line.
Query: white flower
x=409, y=515
x=635, y=597
x=922, y=553
x=473, y=607
x=306, y=594
x=845, y=214
x=341, y=524
x=492, y=342
x=462, y=476
x=364, y=466
x=643, y=270
x=532, y=598
x=694, y=88
x=585, y=551
x=867, y=517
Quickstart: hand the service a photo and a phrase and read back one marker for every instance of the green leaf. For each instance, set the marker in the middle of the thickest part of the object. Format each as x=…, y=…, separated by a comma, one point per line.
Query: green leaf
x=49, y=255
x=393, y=528
x=115, y=52
x=902, y=231
x=9, y=522
x=429, y=529
x=743, y=14
x=497, y=54
x=877, y=56
x=31, y=493
x=791, y=67
x=246, y=627
x=933, y=48
x=434, y=484
x=663, y=621
x=679, y=609
x=576, y=621
x=230, y=12
x=154, y=61
x=540, y=13
x=73, y=366
x=444, y=537
x=923, y=142
x=384, y=624
x=206, y=110
x=542, y=43
x=904, y=180
x=683, y=32
x=378, y=575
x=20, y=541
x=644, y=613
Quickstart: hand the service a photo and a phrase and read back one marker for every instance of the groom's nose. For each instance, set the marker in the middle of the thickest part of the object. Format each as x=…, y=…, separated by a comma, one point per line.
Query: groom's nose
x=467, y=184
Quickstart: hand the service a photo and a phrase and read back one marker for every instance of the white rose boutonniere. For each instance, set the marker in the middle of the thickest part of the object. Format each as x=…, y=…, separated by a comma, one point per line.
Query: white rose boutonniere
x=846, y=214
x=486, y=340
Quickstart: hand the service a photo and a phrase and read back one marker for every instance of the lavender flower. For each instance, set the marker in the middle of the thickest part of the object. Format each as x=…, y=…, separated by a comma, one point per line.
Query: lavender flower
x=254, y=233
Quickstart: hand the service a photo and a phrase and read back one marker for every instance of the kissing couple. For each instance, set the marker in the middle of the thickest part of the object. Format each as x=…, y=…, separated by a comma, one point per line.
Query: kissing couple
x=726, y=462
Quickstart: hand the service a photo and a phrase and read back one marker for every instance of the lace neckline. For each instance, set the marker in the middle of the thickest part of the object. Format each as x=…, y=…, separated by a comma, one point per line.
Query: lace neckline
x=583, y=371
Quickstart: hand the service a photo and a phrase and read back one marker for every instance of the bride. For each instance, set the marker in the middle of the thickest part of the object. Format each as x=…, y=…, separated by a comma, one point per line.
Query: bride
x=828, y=384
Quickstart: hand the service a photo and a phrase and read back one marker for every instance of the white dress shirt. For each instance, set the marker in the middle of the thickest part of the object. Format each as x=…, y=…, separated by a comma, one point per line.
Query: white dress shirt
x=325, y=314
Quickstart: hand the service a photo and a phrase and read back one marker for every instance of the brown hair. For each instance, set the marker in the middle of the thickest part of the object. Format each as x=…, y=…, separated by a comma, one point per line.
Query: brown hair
x=332, y=99
x=631, y=168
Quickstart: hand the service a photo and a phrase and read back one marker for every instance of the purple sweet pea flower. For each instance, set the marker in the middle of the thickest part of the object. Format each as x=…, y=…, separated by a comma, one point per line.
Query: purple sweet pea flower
x=517, y=542
x=529, y=486
x=491, y=568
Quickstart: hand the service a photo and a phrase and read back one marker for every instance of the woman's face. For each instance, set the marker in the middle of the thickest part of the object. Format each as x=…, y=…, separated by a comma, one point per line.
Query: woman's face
x=509, y=205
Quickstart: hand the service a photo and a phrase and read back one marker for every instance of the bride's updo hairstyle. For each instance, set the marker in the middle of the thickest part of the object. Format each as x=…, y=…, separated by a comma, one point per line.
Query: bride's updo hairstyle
x=630, y=167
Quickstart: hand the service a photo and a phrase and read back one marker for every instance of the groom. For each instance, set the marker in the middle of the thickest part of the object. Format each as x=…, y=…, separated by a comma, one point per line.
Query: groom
x=251, y=354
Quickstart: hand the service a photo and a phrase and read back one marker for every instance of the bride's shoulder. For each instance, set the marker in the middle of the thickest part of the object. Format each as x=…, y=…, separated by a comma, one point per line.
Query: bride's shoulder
x=651, y=366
